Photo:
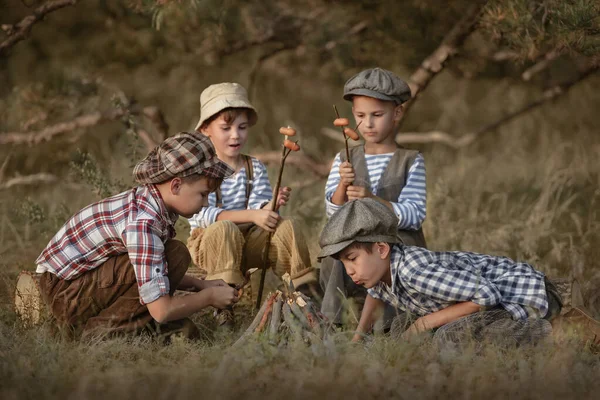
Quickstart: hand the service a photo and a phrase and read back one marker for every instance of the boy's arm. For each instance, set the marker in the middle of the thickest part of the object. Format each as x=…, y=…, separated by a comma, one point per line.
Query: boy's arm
x=168, y=308
x=442, y=317
x=192, y=284
x=335, y=189
x=371, y=311
x=411, y=206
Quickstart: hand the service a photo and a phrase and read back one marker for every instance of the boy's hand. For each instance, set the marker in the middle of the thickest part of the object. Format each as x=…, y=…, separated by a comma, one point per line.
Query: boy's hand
x=284, y=196
x=266, y=219
x=346, y=174
x=223, y=296
x=358, y=192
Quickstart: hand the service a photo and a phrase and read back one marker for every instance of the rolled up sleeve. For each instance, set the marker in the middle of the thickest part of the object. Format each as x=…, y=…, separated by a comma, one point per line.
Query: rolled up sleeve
x=147, y=255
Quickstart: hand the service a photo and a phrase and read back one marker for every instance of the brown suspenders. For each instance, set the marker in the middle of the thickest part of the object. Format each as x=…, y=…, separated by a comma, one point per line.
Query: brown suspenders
x=249, y=182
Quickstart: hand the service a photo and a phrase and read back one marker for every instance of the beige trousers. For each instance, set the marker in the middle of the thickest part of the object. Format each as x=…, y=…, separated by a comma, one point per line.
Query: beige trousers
x=226, y=251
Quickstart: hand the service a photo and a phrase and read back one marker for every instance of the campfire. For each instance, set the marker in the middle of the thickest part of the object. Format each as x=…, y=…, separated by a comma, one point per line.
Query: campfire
x=287, y=317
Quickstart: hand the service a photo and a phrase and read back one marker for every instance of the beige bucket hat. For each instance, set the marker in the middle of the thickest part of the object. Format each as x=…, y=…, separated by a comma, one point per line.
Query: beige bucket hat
x=220, y=96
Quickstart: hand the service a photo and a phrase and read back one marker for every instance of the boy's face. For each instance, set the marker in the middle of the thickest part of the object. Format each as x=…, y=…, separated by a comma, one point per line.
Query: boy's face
x=378, y=119
x=188, y=198
x=367, y=269
x=228, y=138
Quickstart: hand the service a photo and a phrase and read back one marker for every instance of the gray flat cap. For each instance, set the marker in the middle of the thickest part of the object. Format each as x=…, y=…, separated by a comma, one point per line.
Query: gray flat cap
x=364, y=220
x=378, y=83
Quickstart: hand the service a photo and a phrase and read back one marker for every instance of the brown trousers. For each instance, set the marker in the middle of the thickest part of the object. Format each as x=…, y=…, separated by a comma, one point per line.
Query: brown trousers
x=106, y=300
x=226, y=251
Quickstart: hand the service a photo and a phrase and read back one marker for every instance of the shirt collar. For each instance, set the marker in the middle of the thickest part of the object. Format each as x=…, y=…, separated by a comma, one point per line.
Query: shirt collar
x=169, y=217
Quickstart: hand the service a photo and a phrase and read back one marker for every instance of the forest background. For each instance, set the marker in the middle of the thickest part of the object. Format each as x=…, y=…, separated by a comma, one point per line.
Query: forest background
x=506, y=115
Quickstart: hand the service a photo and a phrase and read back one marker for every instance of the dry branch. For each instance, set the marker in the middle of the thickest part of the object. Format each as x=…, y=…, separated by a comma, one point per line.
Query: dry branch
x=465, y=140
x=541, y=65
x=34, y=179
x=87, y=121
x=20, y=30
x=435, y=63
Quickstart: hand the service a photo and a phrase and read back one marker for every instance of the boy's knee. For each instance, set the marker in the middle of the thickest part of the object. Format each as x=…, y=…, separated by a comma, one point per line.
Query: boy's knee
x=223, y=230
x=177, y=255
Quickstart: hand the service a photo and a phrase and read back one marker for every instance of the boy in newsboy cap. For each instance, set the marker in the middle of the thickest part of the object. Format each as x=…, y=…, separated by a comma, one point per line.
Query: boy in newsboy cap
x=437, y=287
x=114, y=266
x=378, y=169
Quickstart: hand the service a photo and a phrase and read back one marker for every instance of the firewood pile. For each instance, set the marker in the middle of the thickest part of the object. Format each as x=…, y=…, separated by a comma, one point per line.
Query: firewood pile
x=287, y=317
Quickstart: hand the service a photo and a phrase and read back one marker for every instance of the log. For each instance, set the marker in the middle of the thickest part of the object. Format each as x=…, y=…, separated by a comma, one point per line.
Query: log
x=275, y=320
x=28, y=301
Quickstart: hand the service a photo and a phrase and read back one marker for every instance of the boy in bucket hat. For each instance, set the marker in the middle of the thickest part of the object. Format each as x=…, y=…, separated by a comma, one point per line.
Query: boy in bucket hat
x=437, y=287
x=228, y=237
x=114, y=266
x=379, y=169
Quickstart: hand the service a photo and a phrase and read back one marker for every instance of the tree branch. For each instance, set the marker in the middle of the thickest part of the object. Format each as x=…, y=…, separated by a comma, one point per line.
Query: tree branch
x=465, y=140
x=86, y=121
x=541, y=65
x=155, y=115
x=49, y=133
x=34, y=179
x=435, y=63
x=20, y=30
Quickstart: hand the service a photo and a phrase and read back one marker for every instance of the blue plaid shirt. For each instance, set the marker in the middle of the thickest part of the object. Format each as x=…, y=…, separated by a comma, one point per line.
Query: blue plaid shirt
x=424, y=281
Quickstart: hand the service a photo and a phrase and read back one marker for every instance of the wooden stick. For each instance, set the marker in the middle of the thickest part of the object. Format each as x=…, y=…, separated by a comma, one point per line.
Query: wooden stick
x=298, y=314
x=343, y=135
x=252, y=326
x=265, y=317
x=274, y=207
x=276, y=319
x=290, y=320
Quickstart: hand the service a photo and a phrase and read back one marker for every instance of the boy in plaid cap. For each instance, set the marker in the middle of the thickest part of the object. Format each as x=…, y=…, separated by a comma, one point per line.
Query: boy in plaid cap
x=437, y=287
x=378, y=169
x=114, y=266
x=228, y=237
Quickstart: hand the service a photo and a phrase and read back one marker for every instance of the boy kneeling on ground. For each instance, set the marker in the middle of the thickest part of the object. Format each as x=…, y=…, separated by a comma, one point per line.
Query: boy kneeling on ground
x=113, y=267
x=437, y=287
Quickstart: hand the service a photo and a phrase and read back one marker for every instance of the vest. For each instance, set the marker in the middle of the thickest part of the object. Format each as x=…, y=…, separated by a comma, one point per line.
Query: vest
x=391, y=183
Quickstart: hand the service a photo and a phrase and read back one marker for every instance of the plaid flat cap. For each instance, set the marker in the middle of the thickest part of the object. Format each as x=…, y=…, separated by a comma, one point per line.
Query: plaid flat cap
x=364, y=220
x=179, y=156
x=377, y=83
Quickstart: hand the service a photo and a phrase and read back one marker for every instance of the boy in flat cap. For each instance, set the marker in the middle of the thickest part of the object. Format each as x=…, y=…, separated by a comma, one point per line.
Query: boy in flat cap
x=378, y=169
x=228, y=237
x=113, y=267
x=437, y=287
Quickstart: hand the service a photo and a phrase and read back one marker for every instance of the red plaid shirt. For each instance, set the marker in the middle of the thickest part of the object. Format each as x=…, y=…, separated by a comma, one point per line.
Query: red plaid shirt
x=134, y=222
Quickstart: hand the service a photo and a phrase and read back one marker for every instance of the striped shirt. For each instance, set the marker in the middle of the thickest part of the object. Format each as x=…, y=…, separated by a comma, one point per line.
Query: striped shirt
x=233, y=195
x=424, y=281
x=411, y=204
x=135, y=222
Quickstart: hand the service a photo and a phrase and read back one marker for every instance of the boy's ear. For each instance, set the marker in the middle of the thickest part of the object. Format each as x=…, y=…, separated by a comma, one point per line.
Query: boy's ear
x=204, y=130
x=398, y=112
x=175, y=185
x=383, y=249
